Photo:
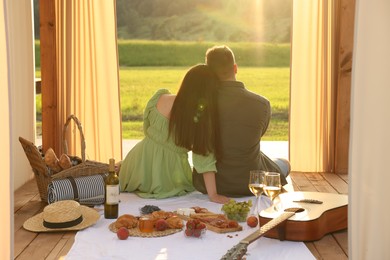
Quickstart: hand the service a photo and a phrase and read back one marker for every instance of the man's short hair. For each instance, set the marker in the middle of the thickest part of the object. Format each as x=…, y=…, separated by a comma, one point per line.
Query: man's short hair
x=221, y=60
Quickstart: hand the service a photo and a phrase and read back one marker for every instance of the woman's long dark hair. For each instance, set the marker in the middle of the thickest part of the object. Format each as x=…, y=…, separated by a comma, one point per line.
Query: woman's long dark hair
x=194, y=117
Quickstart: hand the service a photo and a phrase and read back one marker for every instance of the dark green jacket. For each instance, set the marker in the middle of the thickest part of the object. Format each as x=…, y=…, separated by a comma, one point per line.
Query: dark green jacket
x=244, y=117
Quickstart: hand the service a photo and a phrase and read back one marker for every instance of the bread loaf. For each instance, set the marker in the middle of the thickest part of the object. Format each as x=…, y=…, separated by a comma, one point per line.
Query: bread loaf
x=52, y=161
x=65, y=162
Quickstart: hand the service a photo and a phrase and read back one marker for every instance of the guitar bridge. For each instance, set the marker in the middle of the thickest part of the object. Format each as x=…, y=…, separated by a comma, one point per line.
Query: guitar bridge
x=312, y=201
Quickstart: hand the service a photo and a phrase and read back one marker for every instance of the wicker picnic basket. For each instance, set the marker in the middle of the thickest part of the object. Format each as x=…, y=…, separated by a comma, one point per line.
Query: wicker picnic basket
x=44, y=176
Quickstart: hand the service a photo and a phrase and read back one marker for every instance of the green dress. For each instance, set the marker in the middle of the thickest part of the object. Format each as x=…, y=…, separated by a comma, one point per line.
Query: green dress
x=156, y=167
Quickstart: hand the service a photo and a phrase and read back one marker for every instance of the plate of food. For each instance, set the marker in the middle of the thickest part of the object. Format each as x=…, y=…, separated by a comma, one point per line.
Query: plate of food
x=156, y=224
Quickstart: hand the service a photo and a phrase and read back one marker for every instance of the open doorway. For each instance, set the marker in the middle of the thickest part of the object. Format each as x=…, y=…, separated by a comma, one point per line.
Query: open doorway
x=159, y=40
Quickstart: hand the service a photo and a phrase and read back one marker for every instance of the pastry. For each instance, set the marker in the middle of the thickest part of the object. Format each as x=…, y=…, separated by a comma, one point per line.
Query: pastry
x=126, y=220
x=161, y=214
x=175, y=222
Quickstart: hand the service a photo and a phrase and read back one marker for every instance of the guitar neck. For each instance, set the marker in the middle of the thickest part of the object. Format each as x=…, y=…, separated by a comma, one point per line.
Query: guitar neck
x=239, y=250
x=264, y=229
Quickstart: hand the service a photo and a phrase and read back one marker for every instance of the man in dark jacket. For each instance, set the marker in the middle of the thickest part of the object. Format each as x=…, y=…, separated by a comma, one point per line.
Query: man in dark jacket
x=243, y=118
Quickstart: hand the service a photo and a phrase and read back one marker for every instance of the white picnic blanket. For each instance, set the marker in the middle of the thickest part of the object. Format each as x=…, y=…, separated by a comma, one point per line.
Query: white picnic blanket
x=98, y=242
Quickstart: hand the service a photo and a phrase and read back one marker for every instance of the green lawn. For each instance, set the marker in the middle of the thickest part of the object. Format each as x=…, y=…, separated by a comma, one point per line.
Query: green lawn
x=137, y=85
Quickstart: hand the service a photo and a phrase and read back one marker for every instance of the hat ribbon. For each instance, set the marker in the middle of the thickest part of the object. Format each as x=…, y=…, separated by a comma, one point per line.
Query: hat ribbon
x=63, y=224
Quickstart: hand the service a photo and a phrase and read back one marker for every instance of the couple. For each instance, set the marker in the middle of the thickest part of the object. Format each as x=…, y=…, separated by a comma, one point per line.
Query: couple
x=216, y=118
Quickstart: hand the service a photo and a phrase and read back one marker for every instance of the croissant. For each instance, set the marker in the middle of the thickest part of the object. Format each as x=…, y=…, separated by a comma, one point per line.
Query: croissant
x=126, y=220
x=161, y=214
x=175, y=222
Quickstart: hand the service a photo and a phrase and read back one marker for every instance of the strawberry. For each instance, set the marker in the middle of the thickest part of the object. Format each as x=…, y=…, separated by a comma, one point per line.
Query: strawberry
x=190, y=225
x=201, y=226
x=197, y=232
x=189, y=232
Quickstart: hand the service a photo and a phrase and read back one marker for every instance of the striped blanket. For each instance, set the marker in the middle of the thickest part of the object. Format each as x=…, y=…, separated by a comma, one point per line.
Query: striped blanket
x=87, y=190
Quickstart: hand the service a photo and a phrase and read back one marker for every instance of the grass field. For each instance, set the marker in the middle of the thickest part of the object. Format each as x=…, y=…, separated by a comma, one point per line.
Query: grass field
x=138, y=85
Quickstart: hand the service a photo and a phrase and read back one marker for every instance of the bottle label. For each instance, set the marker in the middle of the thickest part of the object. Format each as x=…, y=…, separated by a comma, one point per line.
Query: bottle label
x=112, y=197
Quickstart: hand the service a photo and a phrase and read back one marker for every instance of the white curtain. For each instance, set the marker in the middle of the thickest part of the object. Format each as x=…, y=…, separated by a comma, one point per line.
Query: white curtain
x=16, y=108
x=88, y=72
x=21, y=72
x=312, y=94
x=6, y=222
x=369, y=178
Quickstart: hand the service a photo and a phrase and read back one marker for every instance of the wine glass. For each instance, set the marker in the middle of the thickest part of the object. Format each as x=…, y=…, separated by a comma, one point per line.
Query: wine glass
x=256, y=183
x=272, y=186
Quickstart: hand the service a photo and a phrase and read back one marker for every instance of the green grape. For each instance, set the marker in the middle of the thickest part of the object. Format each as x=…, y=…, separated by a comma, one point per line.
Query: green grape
x=237, y=210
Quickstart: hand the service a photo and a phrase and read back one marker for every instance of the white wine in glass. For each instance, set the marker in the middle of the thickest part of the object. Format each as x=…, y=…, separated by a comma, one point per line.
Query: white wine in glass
x=256, y=189
x=256, y=183
x=272, y=186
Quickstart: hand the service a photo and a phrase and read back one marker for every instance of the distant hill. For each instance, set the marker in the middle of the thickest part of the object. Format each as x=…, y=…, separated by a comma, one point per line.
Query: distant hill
x=201, y=20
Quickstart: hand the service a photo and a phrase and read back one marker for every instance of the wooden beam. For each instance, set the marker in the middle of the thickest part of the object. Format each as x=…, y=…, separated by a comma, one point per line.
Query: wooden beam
x=49, y=76
x=345, y=48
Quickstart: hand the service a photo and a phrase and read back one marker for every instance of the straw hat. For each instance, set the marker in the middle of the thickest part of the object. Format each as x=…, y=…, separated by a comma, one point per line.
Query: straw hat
x=62, y=216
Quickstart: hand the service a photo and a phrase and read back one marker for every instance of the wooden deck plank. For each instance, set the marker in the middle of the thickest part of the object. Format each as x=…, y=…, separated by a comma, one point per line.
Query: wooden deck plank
x=24, y=194
x=337, y=182
x=69, y=237
x=31, y=208
x=41, y=246
x=301, y=181
x=22, y=239
x=63, y=246
x=313, y=249
x=342, y=239
x=22, y=236
x=344, y=177
x=329, y=248
x=320, y=184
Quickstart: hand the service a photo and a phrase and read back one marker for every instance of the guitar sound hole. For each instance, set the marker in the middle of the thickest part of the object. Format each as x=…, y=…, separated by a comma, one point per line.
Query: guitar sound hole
x=296, y=210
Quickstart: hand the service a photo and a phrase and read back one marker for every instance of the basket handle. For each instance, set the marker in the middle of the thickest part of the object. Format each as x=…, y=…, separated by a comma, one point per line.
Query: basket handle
x=65, y=144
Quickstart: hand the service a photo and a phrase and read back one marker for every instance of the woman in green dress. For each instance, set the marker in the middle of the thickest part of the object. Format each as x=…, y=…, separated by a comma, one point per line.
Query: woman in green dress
x=158, y=167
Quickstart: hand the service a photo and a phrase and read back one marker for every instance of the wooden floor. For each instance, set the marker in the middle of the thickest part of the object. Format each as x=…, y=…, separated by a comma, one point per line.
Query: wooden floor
x=31, y=246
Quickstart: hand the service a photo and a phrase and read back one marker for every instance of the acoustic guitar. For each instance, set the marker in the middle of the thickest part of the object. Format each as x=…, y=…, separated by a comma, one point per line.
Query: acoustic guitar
x=301, y=216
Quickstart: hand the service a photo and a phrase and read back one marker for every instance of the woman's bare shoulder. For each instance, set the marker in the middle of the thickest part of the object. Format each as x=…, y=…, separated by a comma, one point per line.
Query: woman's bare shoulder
x=165, y=103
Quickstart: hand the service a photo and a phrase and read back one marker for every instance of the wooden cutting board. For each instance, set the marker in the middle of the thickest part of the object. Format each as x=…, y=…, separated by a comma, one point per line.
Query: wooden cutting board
x=208, y=226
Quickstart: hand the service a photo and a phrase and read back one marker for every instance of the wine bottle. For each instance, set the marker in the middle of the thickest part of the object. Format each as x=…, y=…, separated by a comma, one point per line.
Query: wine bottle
x=111, y=202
